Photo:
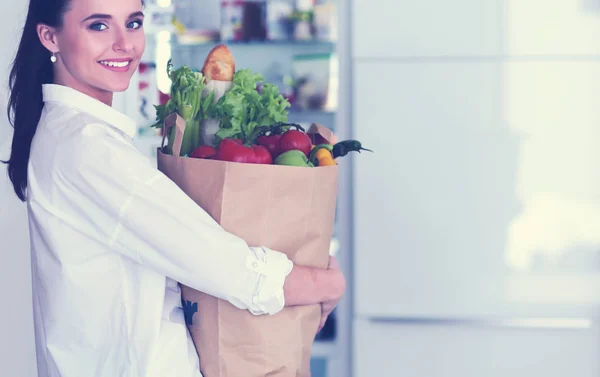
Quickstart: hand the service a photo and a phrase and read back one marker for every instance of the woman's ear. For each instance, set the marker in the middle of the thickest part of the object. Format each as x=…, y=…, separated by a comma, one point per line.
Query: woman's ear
x=47, y=35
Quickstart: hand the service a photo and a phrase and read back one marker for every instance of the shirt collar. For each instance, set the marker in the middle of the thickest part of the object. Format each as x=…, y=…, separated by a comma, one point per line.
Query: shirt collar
x=83, y=102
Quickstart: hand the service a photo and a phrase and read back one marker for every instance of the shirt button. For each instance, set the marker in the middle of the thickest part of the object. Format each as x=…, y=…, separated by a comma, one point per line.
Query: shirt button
x=255, y=264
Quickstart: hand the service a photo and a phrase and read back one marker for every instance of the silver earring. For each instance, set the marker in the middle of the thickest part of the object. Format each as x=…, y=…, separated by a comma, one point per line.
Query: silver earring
x=53, y=58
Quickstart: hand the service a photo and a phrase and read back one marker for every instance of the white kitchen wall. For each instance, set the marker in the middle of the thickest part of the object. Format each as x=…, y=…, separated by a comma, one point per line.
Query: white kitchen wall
x=17, y=353
x=482, y=259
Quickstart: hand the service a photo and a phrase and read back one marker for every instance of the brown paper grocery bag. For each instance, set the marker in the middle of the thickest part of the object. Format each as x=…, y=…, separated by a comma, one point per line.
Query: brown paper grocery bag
x=286, y=208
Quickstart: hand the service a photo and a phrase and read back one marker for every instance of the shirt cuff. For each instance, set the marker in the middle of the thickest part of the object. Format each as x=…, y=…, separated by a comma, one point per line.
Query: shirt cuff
x=273, y=268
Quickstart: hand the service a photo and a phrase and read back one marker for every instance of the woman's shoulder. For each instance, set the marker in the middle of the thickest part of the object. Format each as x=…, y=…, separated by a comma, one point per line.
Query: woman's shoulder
x=71, y=125
x=87, y=142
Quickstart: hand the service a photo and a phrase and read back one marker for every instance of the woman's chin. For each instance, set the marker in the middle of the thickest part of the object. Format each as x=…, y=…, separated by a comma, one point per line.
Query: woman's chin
x=120, y=87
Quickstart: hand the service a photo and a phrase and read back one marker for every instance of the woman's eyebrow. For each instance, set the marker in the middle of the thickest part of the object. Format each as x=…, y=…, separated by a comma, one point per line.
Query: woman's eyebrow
x=108, y=16
x=97, y=16
x=136, y=14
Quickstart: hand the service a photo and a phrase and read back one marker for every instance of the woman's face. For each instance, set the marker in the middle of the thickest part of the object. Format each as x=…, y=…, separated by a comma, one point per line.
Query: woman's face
x=99, y=46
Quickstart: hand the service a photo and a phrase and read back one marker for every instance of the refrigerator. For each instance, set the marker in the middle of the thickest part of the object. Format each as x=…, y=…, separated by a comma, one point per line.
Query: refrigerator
x=476, y=221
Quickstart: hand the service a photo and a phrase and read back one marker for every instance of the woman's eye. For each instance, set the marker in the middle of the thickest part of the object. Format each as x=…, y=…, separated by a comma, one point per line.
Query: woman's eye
x=98, y=26
x=135, y=24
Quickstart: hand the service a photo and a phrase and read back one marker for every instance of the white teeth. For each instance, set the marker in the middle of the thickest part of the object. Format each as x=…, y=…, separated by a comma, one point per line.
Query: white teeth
x=115, y=64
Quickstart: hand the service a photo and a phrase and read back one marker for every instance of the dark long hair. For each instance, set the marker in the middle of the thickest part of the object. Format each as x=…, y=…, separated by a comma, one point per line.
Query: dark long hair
x=30, y=69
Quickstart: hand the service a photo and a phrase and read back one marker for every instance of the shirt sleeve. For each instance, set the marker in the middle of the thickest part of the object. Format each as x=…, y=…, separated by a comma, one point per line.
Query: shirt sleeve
x=156, y=224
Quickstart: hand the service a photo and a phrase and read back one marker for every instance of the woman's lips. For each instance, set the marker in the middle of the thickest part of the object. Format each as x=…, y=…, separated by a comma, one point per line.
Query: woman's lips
x=116, y=65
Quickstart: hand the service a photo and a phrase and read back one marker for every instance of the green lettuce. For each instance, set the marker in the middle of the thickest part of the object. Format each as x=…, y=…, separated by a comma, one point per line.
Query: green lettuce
x=243, y=109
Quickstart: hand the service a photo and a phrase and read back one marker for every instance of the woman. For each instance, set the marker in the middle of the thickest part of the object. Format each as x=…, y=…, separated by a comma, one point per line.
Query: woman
x=110, y=235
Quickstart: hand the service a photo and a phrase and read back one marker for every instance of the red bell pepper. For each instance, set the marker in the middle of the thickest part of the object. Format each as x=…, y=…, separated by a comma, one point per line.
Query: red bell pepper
x=204, y=151
x=234, y=151
x=262, y=155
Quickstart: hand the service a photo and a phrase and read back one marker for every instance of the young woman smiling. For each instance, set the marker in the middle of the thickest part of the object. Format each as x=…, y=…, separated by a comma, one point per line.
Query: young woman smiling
x=111, y=236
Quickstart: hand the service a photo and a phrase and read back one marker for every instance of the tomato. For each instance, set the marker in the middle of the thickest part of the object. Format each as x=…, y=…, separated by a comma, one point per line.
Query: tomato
x=294, y=139
x=271, y=142
x=234, y=151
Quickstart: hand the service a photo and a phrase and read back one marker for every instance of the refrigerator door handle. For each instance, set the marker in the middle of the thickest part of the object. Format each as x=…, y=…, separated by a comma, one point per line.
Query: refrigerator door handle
x=569, y=323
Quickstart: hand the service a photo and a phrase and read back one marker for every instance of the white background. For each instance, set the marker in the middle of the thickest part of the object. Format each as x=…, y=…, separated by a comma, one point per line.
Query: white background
x=17, y=353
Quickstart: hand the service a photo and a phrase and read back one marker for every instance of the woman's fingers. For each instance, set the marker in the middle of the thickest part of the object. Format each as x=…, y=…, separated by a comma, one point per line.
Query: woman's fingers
x=333, y=263
x=323, y=320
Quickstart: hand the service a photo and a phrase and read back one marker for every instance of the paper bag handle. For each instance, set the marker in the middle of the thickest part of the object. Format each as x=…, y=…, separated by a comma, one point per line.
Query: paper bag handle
x=179, y=123
x=326, y=133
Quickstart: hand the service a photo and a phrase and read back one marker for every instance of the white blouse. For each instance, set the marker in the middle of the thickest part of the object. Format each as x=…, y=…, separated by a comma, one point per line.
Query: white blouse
x=110, y=238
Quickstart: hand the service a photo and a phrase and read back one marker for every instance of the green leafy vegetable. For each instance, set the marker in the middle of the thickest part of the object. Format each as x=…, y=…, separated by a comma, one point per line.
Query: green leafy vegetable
x=186, y=100
x=244, y=108
x=244, y=111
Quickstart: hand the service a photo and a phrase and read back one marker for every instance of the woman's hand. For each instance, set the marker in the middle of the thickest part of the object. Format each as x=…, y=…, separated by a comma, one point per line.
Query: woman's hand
x=340, y=282
x=311, y=286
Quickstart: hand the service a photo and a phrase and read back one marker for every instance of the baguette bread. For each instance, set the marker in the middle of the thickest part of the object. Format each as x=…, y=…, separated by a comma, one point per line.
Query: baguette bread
x=219, y=64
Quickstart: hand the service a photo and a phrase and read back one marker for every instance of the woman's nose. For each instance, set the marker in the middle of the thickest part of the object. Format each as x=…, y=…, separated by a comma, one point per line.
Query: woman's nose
x=122, y=42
